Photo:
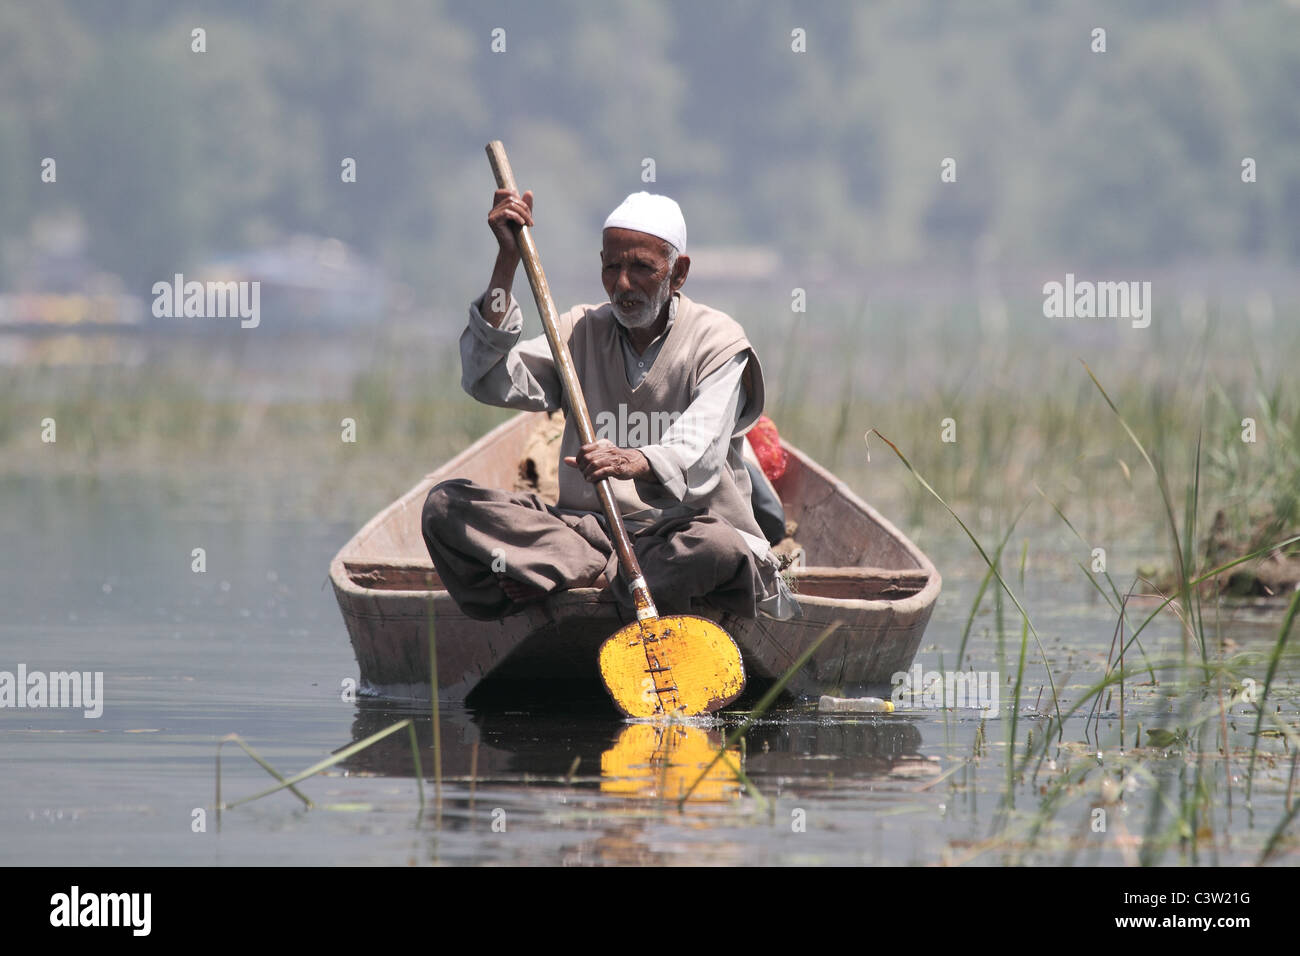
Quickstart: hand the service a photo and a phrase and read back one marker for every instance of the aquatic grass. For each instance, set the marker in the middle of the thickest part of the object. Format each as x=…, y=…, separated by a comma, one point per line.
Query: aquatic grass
x=1186, y=732
x=247, y=748
x=663, y=764
x=789, y=366
x=434, y=709
x=1275, y=838
x=1056, y=704
x=976, y=751
x=1202, y=578
x=947, y=737
x=415, y=758
x=1180, y=551
x=984, y=584
x=1194, y=799
x=185, y=416
x=841, y=429
x=1117, y=637
x=1119, y=605
x=336, y=757
x=1121, y=677
x=1269, y=472
x=1015, y=697
x=1283, y=635
x=473, y=773
x=737, y=769
x=1290, y=783
x=1183, y=812
x=1068, y=779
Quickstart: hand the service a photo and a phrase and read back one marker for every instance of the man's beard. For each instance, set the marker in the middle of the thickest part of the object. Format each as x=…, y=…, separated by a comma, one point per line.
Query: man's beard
x=643, y=312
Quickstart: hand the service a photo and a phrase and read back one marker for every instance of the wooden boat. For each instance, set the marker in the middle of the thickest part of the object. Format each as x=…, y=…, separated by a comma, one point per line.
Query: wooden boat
x=861, y=571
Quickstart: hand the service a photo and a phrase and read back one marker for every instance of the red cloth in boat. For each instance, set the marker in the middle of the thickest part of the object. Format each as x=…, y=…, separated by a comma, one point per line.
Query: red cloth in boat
x=765, y=441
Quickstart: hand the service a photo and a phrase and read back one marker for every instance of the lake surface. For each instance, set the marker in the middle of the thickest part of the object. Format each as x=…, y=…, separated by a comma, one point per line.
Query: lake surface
x=99, y=577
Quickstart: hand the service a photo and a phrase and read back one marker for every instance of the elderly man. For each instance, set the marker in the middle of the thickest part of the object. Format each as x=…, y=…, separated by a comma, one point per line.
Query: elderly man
x=672, y=386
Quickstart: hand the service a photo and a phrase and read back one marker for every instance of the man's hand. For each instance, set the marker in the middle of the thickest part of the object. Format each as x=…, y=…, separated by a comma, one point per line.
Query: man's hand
x=509, y=210
x=604, y=459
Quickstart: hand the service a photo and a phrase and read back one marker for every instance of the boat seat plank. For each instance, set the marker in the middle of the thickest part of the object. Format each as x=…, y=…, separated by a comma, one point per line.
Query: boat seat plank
x=863, y=584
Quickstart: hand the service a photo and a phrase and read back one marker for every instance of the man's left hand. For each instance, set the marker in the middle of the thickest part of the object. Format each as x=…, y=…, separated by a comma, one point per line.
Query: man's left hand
x=604, y=459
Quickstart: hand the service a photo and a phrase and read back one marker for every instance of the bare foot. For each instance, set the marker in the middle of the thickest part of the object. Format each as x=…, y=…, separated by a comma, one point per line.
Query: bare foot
x=519, y=591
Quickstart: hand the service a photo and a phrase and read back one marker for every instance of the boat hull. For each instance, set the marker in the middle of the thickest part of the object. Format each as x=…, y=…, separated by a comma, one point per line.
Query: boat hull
x=875, y=584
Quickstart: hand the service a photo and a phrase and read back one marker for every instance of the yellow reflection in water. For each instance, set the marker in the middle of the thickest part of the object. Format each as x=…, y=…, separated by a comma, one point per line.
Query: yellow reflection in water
x=661, y=761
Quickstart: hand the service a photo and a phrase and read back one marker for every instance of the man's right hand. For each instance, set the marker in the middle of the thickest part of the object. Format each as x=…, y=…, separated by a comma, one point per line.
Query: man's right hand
x=509, y=210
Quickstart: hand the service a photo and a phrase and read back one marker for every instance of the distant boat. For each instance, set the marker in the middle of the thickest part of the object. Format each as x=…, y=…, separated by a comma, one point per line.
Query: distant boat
x=308, y=282
x=862, y=571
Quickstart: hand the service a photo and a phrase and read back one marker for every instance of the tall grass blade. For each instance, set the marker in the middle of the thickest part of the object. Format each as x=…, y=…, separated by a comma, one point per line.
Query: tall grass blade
x=984, y=583
x=235, y=738
x=1015, y=697
x=328, y=762
x=1161, y=484
x=433, y=707
x=1283, y=635
x=1051, y=681
x=415, y=759
x=1119, y=604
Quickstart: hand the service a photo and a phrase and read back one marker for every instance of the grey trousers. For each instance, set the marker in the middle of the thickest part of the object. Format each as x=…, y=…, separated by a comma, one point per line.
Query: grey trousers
x=474, y=533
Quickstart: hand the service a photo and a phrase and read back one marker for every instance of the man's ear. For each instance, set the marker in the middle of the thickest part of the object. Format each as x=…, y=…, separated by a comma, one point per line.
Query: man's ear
x=681, y=268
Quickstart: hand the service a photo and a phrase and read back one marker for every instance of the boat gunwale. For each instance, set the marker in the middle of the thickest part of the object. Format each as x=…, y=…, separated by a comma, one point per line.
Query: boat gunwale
x=914, y=603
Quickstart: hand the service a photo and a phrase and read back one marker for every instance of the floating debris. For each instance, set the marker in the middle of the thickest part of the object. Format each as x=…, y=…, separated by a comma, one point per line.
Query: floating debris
x=853, y=705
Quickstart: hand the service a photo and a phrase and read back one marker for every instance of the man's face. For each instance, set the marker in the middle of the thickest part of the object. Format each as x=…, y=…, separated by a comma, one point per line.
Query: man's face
x=638, y=272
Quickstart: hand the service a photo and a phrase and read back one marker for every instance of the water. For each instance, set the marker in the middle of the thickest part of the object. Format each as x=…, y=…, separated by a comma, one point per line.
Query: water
x=99, y=577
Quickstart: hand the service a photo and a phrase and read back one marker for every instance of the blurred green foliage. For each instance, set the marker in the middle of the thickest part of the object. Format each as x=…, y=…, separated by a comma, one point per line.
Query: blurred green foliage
x=831, y=156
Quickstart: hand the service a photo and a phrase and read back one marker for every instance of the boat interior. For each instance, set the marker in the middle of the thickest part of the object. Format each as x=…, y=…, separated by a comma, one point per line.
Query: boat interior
x=850, y=551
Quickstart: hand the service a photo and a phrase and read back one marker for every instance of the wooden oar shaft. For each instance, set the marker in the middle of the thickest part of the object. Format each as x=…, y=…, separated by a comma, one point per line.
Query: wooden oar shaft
x=505, y=178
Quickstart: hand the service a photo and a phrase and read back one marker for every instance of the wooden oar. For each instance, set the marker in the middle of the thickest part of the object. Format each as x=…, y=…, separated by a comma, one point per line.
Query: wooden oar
x=679, y=664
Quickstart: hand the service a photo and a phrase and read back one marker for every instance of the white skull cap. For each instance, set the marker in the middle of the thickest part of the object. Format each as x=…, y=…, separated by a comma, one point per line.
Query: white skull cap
x=652, y=214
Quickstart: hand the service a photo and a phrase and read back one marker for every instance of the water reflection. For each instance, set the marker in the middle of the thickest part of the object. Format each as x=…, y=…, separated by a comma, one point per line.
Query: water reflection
x=857, y=748
x=664, y=762
x=590, y=748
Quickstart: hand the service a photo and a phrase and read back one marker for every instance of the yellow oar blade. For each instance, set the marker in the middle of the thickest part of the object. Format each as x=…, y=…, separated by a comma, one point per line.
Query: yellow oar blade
x=679, y=664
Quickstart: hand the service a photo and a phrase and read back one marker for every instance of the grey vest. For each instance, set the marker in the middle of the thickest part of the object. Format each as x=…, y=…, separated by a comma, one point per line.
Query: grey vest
x=700, y=341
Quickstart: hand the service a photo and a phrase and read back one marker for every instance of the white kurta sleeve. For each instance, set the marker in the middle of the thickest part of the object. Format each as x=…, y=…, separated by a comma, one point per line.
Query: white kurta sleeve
x=689, y=457
x=497, y=369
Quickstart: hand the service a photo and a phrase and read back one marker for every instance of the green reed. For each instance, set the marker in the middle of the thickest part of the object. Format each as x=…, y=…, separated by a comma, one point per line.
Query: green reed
x=1181, y=804
x=290, y=782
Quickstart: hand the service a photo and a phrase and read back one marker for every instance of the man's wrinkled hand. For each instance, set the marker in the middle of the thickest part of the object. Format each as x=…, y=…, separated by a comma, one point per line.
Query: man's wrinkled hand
x=603, y=459
x=509, y=211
